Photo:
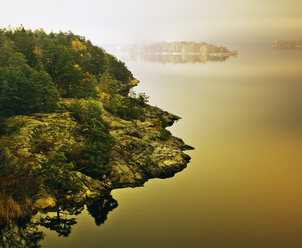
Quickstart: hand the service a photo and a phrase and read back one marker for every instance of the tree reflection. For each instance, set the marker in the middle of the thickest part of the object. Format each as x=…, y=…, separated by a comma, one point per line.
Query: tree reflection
x=183, y=58
x=99, y=210
x=174, y=58
x=61, y=223
x=60, y=219
x=26, y=235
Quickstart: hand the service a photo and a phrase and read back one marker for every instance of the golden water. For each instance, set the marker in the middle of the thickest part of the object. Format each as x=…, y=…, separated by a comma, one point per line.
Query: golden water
x=243, y=187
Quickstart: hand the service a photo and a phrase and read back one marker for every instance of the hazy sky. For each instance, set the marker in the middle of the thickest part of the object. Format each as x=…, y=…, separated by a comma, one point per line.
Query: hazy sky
x=128, y=21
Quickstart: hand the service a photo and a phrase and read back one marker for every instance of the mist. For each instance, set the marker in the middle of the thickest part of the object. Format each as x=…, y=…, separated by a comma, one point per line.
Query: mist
x=134, y=21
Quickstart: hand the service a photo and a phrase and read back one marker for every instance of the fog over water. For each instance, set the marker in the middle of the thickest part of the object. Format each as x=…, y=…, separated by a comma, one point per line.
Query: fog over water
x=131, y=21
x=243, y=185
x=243, y=115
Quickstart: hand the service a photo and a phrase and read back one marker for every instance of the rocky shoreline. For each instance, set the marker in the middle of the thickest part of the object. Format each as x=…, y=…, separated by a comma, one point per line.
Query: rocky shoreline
x=71, y=131
x=138, y=155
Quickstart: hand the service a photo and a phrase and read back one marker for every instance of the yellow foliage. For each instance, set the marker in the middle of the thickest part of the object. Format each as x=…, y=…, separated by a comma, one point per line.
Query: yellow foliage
x=87, y=77
x=203, y=49
x=77, y=45
x=105, y=97
x=87, y=74
x=38, y=51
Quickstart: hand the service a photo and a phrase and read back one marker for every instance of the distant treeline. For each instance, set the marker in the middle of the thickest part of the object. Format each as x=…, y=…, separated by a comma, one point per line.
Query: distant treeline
x=292, y=44
x=183, y=47
x=37, y=68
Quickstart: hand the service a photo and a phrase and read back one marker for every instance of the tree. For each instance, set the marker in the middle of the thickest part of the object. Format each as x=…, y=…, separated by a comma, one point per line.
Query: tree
x=5, y=53
x=55, y=172
x=10, y=98
x=36, y=68
x=46, y=93
x=23, y=90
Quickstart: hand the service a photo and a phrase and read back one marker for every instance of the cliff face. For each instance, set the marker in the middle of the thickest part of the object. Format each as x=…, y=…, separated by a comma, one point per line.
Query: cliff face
x=142, y=150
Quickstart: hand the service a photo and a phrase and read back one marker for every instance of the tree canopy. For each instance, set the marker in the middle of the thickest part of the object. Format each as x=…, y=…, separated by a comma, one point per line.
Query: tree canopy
x=37, y=68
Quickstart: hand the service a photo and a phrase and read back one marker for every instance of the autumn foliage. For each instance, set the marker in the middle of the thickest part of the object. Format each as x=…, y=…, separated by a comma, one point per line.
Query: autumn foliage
x=36, y=68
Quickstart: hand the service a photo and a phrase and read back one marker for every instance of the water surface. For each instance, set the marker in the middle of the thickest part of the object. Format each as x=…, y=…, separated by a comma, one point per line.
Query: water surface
x=243, y=185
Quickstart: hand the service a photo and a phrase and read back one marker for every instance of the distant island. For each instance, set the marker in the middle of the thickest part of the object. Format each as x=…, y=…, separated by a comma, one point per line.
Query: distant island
x=172, y=52
x=288, y=44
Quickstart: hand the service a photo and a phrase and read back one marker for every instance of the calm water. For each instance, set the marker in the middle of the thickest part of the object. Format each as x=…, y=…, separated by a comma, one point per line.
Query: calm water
x=243, y=187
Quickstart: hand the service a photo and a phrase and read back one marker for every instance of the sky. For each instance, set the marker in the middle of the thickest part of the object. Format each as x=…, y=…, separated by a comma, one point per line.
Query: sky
x=134, y=21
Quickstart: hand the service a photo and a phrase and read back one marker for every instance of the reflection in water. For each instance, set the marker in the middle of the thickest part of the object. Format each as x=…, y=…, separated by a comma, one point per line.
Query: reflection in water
x=243, y=186
x=61, y=219
x=99, y=209
x=27, y=235
x=61, y=224
x=174, y=58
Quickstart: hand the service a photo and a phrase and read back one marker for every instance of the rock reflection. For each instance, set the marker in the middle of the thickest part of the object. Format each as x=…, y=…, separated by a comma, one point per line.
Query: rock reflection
x=61, y=219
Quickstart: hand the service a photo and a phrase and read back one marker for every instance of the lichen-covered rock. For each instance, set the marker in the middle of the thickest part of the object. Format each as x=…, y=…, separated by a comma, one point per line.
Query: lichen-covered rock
x=42, y=203
x=88, y=187
x=140, y=153
x=35, y=138
x=143, y=149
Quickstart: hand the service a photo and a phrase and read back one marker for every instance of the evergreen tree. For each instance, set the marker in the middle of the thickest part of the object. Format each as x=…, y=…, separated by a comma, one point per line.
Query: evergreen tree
x=46, y=93
x=36, y=68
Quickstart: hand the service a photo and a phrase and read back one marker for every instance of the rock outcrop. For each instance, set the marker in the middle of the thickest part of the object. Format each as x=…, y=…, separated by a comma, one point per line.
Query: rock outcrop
x=139, y=154
x=143, y=149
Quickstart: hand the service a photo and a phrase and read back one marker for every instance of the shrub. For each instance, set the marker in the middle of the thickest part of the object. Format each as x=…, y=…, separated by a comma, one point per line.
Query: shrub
x=17, y=185
x=11, y=210
x=94, y=156
x=165, y=134
x=128, y=109
x=143, y=99
x=77, y=110
x=55, y=173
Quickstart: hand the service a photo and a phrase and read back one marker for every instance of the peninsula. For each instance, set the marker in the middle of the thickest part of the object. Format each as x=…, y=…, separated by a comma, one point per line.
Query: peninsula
x=72, y=129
